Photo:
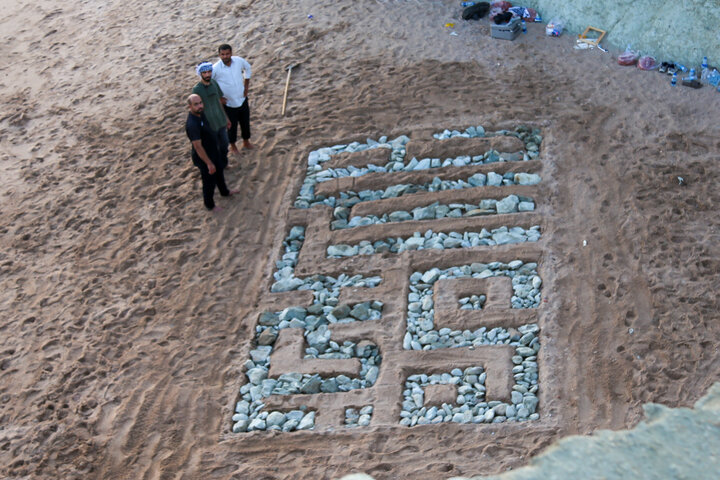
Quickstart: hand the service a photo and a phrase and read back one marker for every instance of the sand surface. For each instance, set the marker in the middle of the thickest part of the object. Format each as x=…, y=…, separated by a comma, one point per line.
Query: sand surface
x=127, y=312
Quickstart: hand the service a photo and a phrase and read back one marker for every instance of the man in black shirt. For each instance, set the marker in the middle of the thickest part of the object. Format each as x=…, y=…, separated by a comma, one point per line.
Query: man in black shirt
x=205, y=152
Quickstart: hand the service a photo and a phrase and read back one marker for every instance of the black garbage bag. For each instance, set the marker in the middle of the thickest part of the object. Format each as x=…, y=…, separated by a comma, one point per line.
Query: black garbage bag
x=503, y=17
x=476, y=12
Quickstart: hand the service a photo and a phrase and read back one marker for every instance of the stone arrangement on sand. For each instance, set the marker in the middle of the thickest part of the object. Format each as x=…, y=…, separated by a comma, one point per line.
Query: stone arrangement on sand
x=438, y=241
x=463, y=398
x=314, y=321
x=358, y=417
x=423, y=335
x=499, y=380
x=509, y=204
x=317, y=174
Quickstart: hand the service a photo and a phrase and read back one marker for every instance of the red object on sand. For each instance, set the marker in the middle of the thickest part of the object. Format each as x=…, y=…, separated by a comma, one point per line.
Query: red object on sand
x=502, y=5
x=627, y=58
x=498, y=7
x=647, y=63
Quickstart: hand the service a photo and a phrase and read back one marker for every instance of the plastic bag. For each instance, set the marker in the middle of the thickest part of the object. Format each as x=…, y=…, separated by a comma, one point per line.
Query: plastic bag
x=502, y=5
x=524, y=12
x=497, y=8
x=554, y=28
x=503, y=18
x=628, y=57
x=647, y=63
x=476, y=12
x=713, y=78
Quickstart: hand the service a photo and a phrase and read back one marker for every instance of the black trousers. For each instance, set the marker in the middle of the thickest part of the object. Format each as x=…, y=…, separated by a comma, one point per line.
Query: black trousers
x=239, y=115
x=209, y=182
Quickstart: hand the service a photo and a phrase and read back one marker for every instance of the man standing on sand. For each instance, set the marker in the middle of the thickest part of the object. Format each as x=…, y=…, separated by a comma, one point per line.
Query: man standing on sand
x=211, y=95
x=205, y=152
x=233, y=75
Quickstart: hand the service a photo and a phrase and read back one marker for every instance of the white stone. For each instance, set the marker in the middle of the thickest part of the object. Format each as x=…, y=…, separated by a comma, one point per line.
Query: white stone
x=307, y=422
x=527, y=178
x=275, y=418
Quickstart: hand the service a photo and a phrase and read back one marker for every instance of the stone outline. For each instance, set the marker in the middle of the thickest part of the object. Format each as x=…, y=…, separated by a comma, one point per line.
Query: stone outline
x=360, y=277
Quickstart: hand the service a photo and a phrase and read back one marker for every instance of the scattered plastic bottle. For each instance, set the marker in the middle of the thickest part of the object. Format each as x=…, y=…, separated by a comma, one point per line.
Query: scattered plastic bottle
x=681, y=67
x=691, y=80
x=524, y=27
x=537, y=18
x=467, y=4
x=673, y=82
x=704, y=70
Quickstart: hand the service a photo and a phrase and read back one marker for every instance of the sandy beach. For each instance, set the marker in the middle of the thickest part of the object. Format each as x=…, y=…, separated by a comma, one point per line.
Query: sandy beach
x=127, y=312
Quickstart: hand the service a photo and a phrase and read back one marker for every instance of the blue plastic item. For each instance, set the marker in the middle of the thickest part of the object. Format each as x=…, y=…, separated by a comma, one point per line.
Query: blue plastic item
x=713, y=78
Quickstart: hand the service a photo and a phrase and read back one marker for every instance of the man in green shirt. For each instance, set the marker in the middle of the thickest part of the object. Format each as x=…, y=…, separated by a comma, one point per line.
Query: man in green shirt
x=212, y=97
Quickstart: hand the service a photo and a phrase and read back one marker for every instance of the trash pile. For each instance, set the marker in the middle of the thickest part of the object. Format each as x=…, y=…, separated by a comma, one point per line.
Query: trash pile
x=500, y=12
x=507, y=21
x=708, y=75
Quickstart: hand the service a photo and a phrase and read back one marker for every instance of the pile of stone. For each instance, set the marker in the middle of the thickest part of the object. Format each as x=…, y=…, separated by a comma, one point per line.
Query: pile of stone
x=470, y=405
x=284, y=275
x=358, y=418
x=275, y=420
x=248, y=411
x=349, y=198
x=422, y=333
x=325, y=287
x=316, y=174
x=249, y=414
x=437, y=240
x=315, y=321
x=473, y=302
x=490, y=206
x=531, y=137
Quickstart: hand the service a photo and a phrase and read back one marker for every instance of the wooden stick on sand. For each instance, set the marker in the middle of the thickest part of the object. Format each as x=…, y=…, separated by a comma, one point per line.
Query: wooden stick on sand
x=287, y=86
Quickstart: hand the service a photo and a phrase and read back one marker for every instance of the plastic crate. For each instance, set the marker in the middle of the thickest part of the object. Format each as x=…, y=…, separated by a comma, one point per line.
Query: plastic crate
x=506, y=31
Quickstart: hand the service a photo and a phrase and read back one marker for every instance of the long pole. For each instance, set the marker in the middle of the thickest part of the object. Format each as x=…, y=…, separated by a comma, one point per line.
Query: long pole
x=287, y=86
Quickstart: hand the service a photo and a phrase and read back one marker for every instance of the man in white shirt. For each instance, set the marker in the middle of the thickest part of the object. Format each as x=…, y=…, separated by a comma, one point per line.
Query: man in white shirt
x=233, y=75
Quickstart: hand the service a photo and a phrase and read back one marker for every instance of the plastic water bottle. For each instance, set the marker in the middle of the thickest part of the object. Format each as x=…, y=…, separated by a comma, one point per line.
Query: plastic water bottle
x=681, y=67
x=524, y=27
x=467, y=4
x=673, y=82
x=537, y=18
x=692, y=75
x=713, y=77
x=704, y=63
x=704, y=70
